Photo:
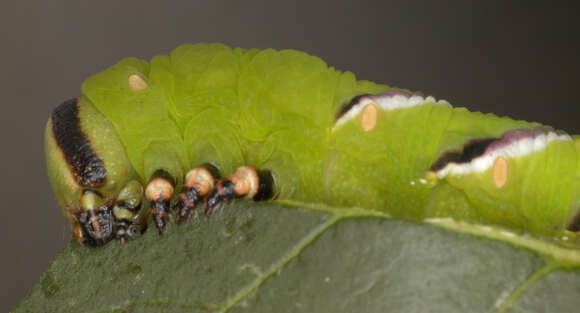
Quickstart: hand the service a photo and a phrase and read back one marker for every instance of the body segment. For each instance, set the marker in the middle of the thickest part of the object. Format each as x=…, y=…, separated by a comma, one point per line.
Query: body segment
x=320, y=134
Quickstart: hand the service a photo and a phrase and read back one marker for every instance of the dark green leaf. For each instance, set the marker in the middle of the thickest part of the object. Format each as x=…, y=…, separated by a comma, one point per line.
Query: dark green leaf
x=283, y=258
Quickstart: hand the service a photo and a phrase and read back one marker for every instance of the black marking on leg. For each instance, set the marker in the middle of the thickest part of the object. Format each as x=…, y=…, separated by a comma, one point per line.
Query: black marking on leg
x=160, y=211
x=189, y=199
x=196, y=188
x=87, y=168
x=126, y=229
x=135, y=230
x=104, y=219
x=160, y=201
x=121, y=229
x=471, y=150
x=221, y=194
x=266, y=187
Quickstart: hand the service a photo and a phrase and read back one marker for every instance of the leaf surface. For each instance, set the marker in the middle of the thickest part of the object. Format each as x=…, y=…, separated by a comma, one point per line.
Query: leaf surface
x=292, y=257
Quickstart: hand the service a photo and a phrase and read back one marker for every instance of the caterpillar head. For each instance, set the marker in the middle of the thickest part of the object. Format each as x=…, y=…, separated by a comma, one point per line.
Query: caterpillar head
x=91, y=176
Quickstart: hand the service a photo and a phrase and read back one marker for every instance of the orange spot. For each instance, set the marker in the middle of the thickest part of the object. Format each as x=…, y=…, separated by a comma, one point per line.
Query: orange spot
x=136, y=82
x=78, y=232
x=201, y=178
x=161, y=213
x=500, y=172
x=246, y=181
x=159, y=189
x=369, y=117
x=96, y=226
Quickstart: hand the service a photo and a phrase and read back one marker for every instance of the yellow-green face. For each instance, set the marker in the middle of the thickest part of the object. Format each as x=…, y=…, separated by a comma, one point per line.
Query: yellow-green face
x=85, y=162
x=323, y=135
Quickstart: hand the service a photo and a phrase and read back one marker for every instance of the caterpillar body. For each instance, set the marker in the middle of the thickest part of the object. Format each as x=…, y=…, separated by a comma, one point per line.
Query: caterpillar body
x=208, y=123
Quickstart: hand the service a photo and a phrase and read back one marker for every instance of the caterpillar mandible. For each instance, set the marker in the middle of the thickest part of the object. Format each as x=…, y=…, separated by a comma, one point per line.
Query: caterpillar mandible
x=191, y=130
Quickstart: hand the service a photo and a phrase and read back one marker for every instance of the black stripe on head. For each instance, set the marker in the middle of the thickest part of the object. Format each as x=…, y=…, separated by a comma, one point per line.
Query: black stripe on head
x=347, y=106
x=88, y=169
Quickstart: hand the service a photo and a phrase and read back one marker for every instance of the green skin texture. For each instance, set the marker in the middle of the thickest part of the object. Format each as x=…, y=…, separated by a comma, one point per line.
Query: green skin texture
x=276, y=110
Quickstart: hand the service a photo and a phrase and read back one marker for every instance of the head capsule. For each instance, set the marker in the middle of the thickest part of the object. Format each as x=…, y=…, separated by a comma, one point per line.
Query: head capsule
x=87, y=167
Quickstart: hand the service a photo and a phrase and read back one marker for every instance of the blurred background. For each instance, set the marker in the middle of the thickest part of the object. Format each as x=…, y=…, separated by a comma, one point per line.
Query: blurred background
x=515, y=58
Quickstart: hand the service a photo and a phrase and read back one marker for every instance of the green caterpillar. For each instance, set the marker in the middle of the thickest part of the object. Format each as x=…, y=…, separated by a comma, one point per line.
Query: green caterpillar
x=146, y=137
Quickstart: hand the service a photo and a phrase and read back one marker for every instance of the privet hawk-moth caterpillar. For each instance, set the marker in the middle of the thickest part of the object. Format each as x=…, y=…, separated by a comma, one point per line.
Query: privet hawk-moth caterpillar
x=190, y=130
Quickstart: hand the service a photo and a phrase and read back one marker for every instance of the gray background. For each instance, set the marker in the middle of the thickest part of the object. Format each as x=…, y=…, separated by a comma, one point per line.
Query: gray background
x=513, y=58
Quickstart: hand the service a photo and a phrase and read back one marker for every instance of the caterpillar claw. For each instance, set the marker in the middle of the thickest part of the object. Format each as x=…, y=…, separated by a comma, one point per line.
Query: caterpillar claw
x=224, y=192
x=100, y=220
x=96, y=226
x=93, y=221
x=160, y=212
x=188, y=200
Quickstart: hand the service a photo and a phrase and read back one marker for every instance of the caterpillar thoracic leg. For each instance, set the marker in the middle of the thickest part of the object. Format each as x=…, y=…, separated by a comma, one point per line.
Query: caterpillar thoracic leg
x=94, y=219
x=246, y=182
x=223, y=192
x=159, y=192
x=127, y=211
x=199, y=182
